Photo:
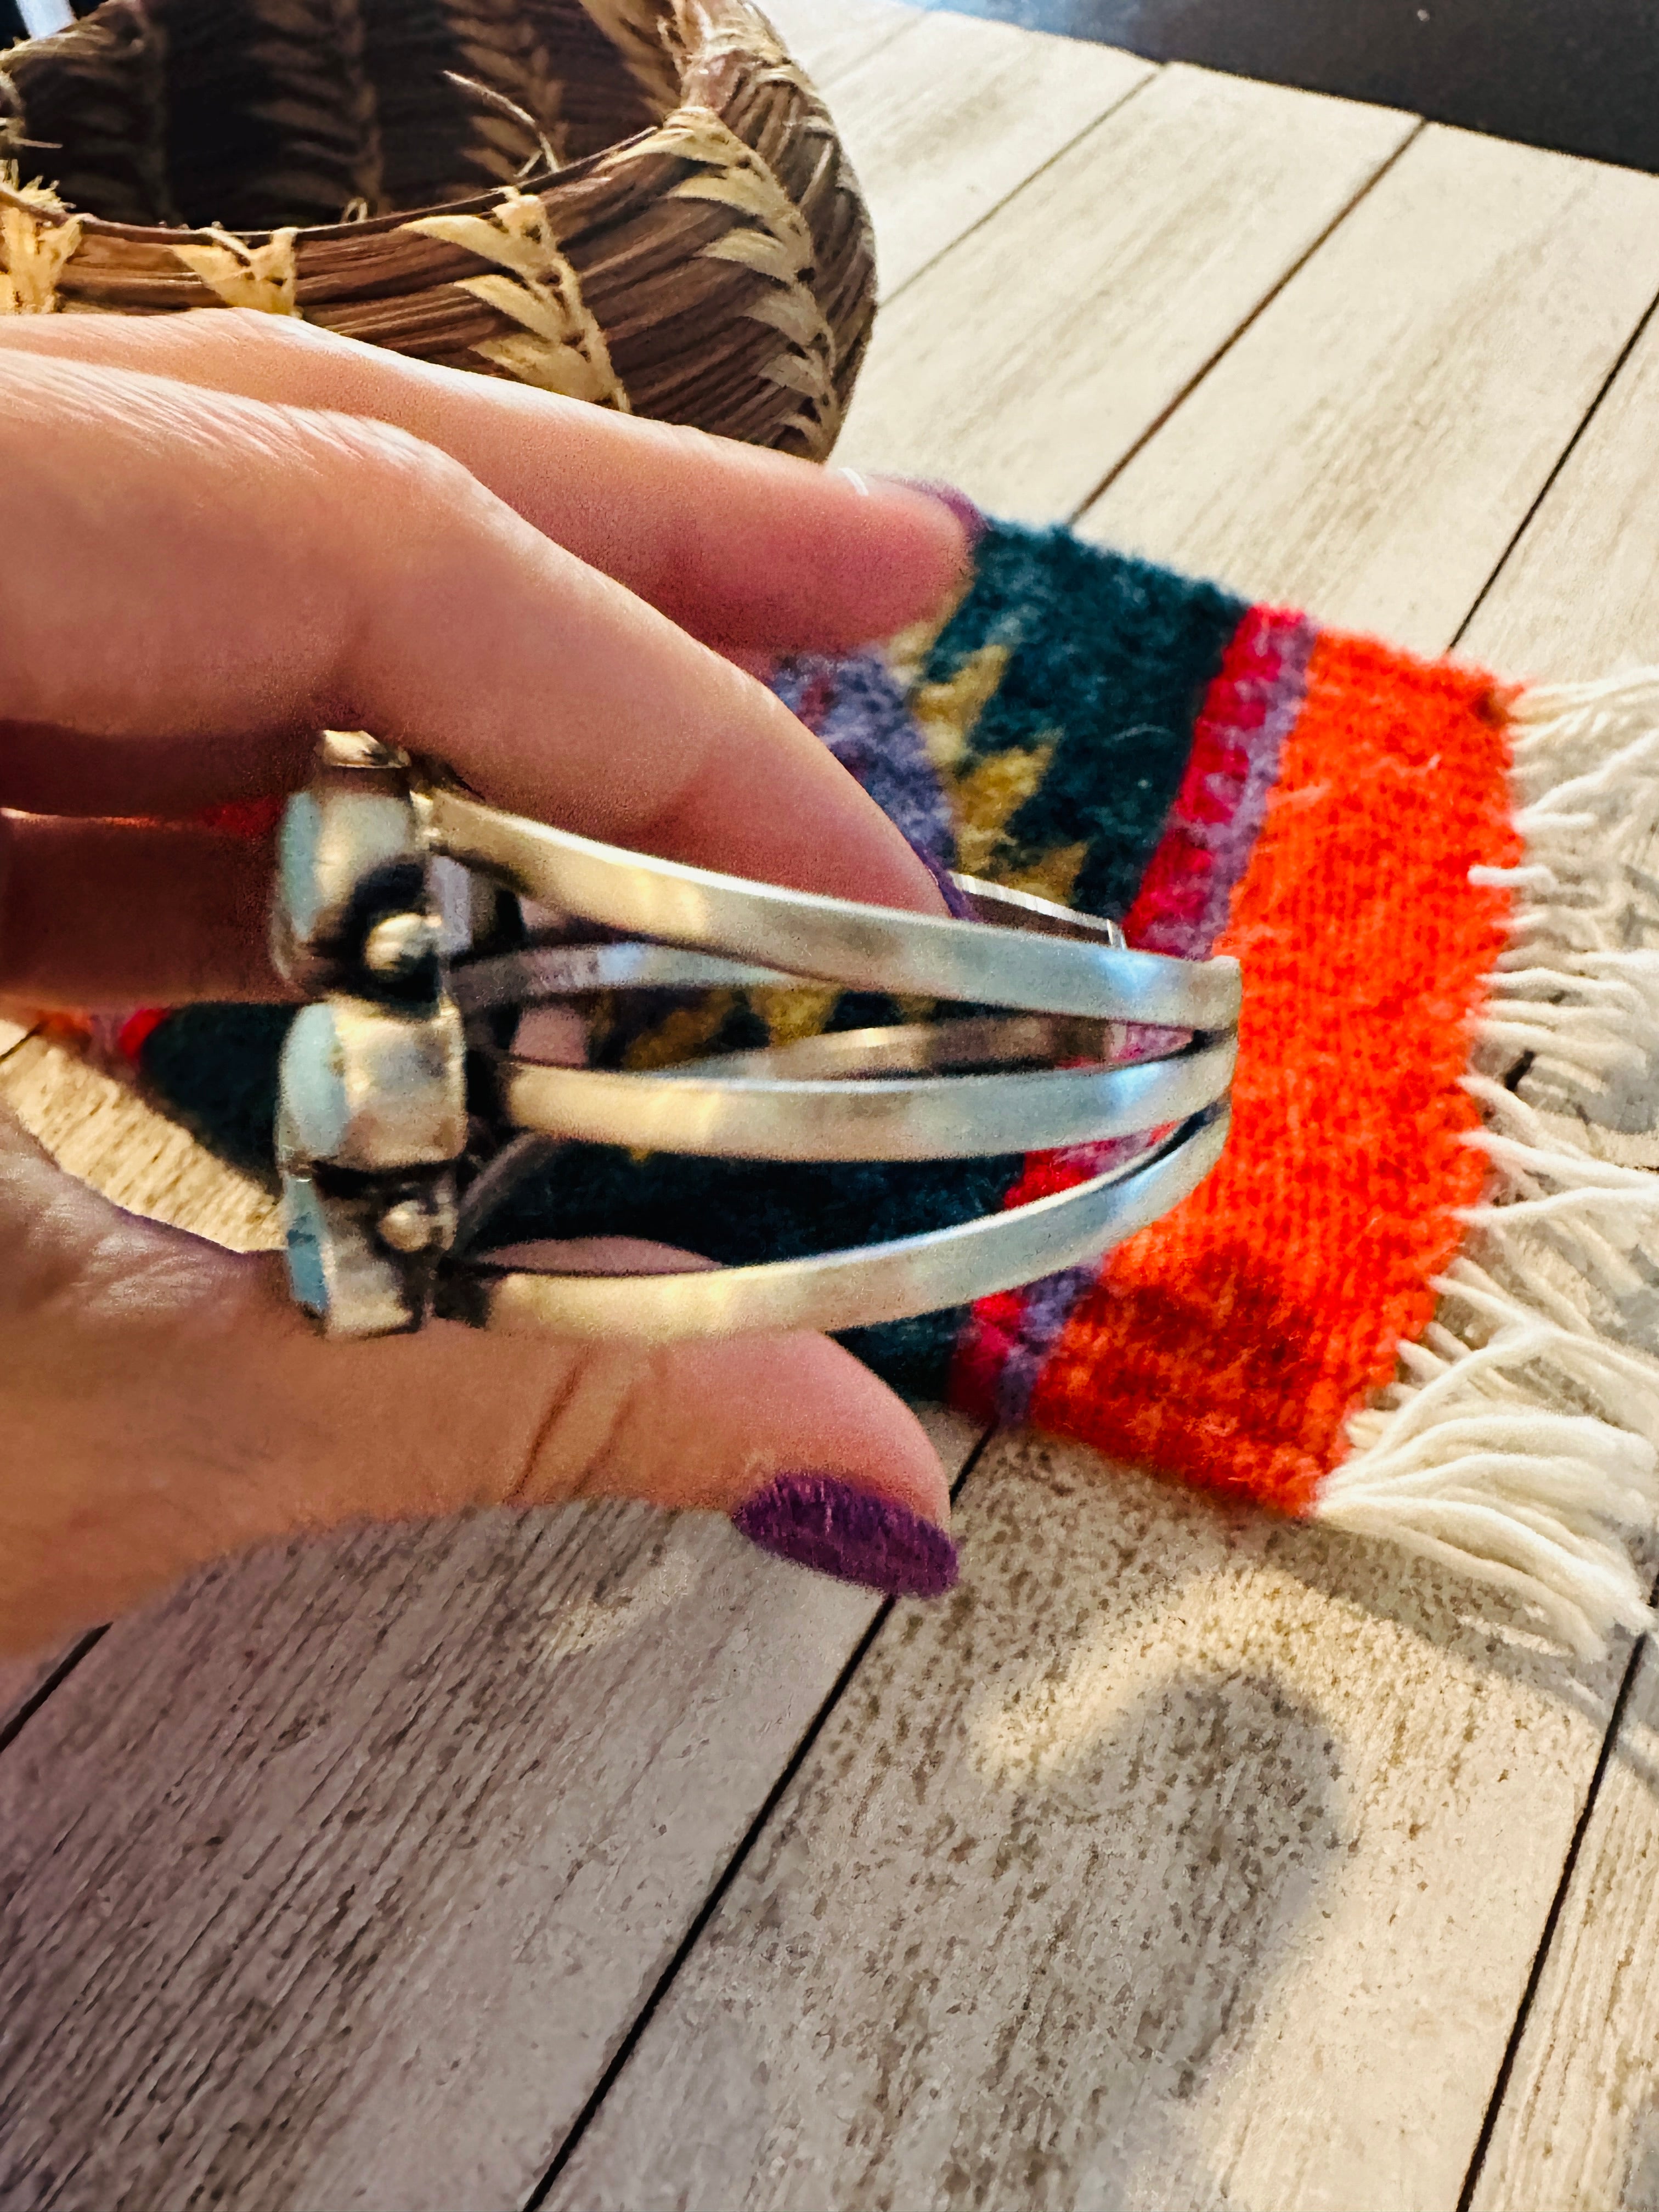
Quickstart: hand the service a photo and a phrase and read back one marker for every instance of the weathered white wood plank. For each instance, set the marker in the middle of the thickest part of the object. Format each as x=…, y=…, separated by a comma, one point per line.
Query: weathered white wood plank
x=11, y=1035
x=20, y=1679
x=447, y=1801
x=1367, y=448
x=1578, y=2131
x=342, y=1875
x=944, y=123
x=1027, y=363
x=1602, y=520
x=829, y=37
x=1004, y=104
x=325, y=2024
x=1174, y=1864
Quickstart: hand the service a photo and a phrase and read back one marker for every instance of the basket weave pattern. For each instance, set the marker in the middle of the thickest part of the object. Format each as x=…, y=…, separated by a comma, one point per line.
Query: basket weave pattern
x=641, y=202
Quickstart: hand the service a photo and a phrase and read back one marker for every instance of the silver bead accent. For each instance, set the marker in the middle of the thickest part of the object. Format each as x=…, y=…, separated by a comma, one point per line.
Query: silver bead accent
x=398, y=946
x=408, y=1226
x=372, y=1129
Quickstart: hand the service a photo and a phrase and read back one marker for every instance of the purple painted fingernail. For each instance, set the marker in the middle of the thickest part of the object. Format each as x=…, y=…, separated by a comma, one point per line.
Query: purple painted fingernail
x=974, y=522
x=957, y=902
x=820, y=1522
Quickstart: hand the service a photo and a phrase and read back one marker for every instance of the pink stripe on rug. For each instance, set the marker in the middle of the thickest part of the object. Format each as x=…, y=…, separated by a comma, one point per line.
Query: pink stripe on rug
x=1181, y=909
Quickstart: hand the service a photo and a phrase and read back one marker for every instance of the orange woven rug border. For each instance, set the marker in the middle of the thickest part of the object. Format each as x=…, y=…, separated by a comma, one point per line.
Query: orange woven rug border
x=1230, y=1343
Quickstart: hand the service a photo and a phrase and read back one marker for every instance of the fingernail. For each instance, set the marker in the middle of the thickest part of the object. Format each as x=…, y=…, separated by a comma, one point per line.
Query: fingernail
x=973, y=521
x=957, y=903
x=820, y=1522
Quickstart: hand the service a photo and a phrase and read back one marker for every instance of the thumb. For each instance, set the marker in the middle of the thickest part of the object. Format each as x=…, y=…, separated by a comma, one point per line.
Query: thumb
x=164, y=1404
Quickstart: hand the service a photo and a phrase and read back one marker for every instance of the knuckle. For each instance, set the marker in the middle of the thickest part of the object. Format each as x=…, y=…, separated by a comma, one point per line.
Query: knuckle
x=256, y=327
x=383, y=483
x=248, y=326
x=247, y=341
x=403, y=466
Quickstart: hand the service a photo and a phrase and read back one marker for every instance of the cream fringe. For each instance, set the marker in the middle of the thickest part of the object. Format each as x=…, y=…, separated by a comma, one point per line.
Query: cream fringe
x=1518, y=1443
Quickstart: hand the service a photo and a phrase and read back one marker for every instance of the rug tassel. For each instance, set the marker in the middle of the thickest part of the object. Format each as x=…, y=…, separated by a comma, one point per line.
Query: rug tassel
x=1518, y=1442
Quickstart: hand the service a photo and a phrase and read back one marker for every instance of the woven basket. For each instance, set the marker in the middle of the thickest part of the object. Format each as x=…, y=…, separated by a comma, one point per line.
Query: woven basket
x=641, y=202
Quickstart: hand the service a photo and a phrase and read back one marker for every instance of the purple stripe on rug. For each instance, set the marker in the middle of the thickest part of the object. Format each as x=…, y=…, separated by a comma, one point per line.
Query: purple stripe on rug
x=1043, y=1315
x=1183, y=909
x=1219, y=811
x=859, y=710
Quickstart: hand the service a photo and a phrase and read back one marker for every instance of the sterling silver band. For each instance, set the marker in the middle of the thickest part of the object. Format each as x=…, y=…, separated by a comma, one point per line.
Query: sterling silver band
x=745, y=1117
x=565, y=971
x=873, y=948
x=859, y=1288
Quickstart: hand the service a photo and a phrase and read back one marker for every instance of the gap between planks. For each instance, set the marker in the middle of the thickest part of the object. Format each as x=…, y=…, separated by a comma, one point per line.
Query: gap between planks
x=1352, y=507
x=400, y=1694
x=1600, y=519
x=1578, y=2128
x=1036, y=354
x=544, y=2188
x=1602, y=1879
x=976, y=113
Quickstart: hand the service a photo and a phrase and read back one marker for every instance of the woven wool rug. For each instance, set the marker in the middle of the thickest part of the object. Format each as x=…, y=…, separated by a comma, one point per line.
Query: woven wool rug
x=1414, y=1300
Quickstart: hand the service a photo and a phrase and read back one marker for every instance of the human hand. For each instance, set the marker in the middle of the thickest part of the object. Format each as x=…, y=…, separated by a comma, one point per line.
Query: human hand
x=228, y=531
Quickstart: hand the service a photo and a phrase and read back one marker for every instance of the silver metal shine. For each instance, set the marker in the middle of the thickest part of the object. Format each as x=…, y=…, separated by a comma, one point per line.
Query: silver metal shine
x=829, y=940
x=884, y=1118
x=564, y=971
x=871, y=1283
x=352, y=824
x=373, y=1089
x=400, y=943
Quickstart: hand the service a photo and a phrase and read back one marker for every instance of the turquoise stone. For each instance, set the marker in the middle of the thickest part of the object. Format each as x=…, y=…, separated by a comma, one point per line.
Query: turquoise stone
x=317, y=1111
x=304, y=1235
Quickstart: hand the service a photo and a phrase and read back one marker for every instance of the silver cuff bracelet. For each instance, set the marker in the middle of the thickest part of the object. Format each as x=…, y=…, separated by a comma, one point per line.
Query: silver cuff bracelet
x=406, y=1118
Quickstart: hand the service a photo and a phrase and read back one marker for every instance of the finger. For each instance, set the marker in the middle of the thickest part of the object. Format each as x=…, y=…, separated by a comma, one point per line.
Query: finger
x=743, y=548
x=104, y=914
x=165, y=1405
x=301, y=570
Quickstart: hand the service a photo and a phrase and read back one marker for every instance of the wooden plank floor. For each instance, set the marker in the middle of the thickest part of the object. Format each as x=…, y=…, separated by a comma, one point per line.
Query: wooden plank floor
x=1029, y=362
x=943, y=124
x=592, y=1860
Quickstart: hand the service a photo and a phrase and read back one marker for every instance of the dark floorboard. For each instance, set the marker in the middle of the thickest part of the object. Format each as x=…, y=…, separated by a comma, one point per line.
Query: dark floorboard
x=1579, y=76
